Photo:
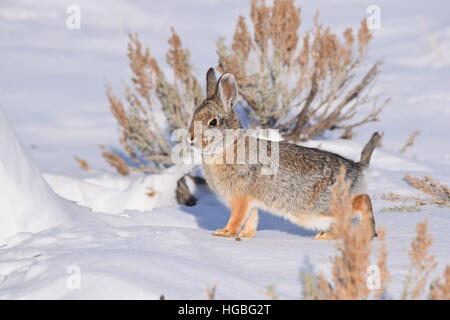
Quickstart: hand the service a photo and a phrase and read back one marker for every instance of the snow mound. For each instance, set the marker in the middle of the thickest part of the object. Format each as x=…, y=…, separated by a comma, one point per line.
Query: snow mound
x=27, y=204
x=114, y=194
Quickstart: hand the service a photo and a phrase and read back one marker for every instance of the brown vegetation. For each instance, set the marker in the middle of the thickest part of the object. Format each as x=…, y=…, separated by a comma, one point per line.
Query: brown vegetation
x=143, y=139
x=410, y=141
x=211, y=292
x=440, y=192
x=440, y=288
x=115, y=161
x=422, y=263
x=303, y=84
x=84, y=165
x=350, y=265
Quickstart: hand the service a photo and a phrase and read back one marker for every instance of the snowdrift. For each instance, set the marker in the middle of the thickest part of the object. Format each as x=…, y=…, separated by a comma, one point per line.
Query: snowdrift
x=27, y=204
x=106, y=193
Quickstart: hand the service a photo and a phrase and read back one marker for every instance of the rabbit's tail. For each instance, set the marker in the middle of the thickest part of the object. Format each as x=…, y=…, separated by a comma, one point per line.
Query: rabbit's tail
x=366, y=153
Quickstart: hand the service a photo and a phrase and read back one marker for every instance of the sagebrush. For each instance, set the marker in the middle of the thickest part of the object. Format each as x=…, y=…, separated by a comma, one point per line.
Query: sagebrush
x=303, y=83
x=144, y=137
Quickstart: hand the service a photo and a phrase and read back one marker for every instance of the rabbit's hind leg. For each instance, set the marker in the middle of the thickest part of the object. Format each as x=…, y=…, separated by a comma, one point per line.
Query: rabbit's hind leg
x=363, y=205
x=317, y=222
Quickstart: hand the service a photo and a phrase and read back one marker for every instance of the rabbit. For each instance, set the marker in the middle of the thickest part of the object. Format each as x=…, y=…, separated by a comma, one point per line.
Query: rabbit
x=300, y=189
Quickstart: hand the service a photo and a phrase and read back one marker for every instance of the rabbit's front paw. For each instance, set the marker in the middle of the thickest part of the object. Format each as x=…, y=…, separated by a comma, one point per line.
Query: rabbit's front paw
x=224, y=233
x=247, y=233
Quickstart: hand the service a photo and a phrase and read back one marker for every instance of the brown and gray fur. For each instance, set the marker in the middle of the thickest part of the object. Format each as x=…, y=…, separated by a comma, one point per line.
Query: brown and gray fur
x=299, y=191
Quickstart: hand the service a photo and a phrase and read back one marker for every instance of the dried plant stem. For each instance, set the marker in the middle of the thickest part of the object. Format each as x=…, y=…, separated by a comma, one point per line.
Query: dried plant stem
x=440, y=288
x=349, y=267
x=210, y=292
x=84, y=165
x=440, y=192
x=410, y=141
x=422, y=263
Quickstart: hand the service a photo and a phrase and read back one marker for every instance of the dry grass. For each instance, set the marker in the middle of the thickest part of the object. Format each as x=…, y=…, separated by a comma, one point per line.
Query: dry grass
x=410, y=203
x=309, y=285
x=422, y=263
x=382, y=254
x=84, y=165
x=401, y=208
x=350, y=265
x=394, y=197
x=211, y=292
x=303, y=84
x=410, y=141
x=270, y=292
x=440, y=192
x=440, y=288
x=115, y=161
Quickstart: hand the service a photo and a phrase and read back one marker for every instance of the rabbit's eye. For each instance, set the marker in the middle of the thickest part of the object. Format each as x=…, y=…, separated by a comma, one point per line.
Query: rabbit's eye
x=212, y=123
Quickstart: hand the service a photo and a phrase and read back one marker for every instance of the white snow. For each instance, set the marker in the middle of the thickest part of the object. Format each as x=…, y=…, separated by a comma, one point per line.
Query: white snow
x=26, y=201
x=108, y=193
x=131, y=245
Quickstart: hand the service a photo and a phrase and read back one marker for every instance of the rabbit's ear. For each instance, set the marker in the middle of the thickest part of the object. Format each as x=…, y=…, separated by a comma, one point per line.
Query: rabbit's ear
x=227, y=91
x=211, y=82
